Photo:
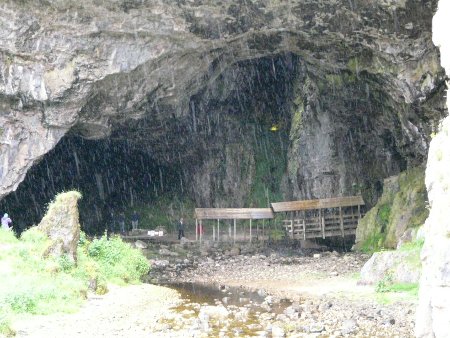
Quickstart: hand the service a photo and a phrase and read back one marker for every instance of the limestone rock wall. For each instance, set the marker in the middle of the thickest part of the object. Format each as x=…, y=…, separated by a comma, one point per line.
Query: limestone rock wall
x=132, y=70
x=433, y=312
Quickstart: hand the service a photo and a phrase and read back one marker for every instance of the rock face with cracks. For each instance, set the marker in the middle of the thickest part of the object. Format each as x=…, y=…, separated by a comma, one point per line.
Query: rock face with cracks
x=365, y=86
x=433, y=312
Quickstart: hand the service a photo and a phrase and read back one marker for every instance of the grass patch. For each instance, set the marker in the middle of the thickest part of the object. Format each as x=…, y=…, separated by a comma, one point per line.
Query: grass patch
x=387, y=285
x=33, y=284
x=412, y=246
x=411, y=288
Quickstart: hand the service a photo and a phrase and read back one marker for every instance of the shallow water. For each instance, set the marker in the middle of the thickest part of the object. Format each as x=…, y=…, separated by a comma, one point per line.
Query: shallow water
x=195, y=294
x=237, y=296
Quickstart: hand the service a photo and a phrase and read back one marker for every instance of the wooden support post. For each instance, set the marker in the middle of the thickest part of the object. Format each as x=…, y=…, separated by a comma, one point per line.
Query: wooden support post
x=234, y=222
x=320, y=220
x=292, y=224
x=218, y=230
x=304, y=229
x=257, y=231
x=196, y=229
x=214, y=233
x=341, y=221
x=323, y=227
x=201, y=230
x=264, y=223
x=229, y=231
x=250, y=230
x=359, y=212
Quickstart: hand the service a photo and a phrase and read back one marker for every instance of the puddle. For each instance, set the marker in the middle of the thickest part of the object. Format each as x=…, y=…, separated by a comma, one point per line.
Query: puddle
x=228, y=296
x=236, y=300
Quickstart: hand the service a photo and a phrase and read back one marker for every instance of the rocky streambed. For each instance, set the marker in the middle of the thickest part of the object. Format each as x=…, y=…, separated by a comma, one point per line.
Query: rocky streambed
x=266, y=291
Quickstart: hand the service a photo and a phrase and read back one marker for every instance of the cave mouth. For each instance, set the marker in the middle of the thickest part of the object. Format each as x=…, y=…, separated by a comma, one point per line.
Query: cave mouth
x=155, y=165
x=268, y=129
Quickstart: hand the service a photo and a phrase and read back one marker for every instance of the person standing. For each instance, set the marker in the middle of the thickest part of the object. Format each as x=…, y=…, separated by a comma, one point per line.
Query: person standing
x=6, y=221
x=122, y=223
x=181, y=228
x=135, y=220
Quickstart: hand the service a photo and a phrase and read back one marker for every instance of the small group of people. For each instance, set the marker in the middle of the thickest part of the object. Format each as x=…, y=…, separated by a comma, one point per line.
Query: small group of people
x=6, y=222
x=121, y=221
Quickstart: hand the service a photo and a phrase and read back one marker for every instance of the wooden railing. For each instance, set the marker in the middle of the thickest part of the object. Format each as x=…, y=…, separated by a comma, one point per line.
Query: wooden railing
x=322, y=227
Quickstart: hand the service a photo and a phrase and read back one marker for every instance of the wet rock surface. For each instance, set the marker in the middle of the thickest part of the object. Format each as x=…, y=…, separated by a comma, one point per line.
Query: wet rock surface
x=267, y=292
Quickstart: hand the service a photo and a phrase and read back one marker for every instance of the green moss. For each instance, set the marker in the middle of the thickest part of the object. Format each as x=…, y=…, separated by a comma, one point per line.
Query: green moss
x=384, y=214
x=296, y=124
x=270, y=164
x=336, y=80
x=353, y=65
x=373, y=243
x=402, y=206
x=412, y=246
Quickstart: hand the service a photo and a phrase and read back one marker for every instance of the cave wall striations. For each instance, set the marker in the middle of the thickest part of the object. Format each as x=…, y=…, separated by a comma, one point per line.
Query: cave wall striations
x=362, y=89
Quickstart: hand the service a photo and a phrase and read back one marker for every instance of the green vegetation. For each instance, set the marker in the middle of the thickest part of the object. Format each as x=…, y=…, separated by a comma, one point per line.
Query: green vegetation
x=269, y=170
x=411, y=257
x=384, y=284
x=32, y=284
x=387, y=285
x=402, y=206
x=373, y=244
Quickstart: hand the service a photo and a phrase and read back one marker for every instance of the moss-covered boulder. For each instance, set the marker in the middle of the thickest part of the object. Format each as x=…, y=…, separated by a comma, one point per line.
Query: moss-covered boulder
x=61, y=224
x=401, y=210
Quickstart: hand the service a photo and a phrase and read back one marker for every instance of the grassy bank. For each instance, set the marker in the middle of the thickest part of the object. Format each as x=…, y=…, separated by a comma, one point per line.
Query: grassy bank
x=32, y=284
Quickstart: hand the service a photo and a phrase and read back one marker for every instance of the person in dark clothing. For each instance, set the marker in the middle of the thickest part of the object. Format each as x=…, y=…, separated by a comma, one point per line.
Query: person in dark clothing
x=135, y=220
x=181, y=228
x=121, y=220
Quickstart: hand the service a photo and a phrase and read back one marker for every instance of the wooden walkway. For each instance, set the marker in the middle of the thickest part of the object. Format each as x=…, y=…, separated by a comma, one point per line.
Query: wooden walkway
x=321, y=218
x=322, y=227
x=306, y=219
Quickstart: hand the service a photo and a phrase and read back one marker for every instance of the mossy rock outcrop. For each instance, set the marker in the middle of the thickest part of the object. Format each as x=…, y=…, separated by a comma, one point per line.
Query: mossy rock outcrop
x=61, y=224
x=401, y=210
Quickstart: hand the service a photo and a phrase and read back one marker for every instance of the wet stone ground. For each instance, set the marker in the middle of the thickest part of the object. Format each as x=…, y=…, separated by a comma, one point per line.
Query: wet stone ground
x=266, y=291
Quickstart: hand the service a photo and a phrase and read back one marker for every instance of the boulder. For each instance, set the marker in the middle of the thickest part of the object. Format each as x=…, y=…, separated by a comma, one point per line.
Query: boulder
x=61, y=224
x=235, y=251
x=404, y=267
x=140, y=244
x=219, y=313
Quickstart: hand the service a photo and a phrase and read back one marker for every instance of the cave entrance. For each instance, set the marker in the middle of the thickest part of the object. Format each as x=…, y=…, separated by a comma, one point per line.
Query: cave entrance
x=113, y=177
x=228, y=149
x=264, y=130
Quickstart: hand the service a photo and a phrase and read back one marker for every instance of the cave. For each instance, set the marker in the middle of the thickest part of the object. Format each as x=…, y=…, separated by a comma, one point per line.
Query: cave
x=262, y=130
x=163, y=106
x=224, y=105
